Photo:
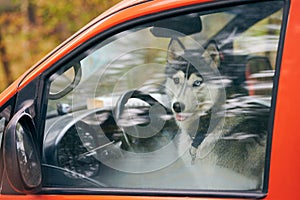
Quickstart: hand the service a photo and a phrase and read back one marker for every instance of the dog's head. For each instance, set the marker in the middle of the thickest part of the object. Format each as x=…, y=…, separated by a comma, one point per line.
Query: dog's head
x=190, y=83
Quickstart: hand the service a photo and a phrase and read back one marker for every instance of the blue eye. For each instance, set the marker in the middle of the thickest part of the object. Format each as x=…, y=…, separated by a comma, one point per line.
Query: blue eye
x=176, y=80
x=197, y=83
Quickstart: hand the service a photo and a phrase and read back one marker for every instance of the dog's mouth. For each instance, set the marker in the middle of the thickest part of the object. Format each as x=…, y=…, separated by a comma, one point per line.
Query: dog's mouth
x=182, y=116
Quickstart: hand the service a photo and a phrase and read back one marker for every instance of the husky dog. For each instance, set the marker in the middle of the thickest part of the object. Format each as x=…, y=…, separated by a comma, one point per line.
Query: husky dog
x=212, y=128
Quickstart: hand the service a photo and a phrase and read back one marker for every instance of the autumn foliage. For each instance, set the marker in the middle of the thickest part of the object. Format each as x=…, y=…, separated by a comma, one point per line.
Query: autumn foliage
x=29, y=29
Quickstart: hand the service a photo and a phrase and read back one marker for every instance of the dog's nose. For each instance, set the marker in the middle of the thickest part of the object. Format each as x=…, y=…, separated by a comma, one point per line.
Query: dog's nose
x=178, y=107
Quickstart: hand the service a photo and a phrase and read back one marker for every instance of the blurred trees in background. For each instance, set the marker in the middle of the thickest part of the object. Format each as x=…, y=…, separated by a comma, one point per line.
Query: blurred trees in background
x=29, y=29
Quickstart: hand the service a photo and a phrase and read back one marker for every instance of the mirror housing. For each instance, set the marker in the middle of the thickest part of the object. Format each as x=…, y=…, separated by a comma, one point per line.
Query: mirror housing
x=20, y=151
x=63, y=84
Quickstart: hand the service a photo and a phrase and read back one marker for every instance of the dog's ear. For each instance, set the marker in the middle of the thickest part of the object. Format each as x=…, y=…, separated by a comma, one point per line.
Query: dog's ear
x=175, y=51
x=212, y=54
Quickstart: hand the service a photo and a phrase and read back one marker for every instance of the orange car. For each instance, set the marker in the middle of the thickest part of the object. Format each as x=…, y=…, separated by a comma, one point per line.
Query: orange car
x=161, y=100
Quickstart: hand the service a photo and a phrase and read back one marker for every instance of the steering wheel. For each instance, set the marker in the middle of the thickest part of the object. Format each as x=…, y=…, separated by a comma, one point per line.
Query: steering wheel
x=145, y=117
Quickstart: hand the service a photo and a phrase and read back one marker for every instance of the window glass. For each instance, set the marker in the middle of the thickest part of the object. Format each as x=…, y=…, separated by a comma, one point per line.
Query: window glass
x=4, y=117
x=2, y=126
x=168, y=107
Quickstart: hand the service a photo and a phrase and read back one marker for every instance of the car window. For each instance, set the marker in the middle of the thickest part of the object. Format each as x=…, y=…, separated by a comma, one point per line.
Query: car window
x=158, y=107
x=2, y=126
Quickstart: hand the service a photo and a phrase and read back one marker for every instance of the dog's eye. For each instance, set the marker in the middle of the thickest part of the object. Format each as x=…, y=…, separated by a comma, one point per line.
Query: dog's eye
x=176, y=80
x=197, y=83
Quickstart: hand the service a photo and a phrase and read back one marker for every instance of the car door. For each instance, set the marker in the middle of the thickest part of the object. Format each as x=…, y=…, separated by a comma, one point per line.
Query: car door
x=177, y=103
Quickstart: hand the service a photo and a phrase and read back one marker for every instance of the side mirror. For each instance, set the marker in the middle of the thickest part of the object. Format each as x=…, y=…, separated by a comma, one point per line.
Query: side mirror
x=64, y=82
x=21, y=158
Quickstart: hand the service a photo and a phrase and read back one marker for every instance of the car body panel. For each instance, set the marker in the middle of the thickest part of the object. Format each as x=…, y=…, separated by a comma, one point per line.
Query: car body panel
x=285, y=165
x=284, y=168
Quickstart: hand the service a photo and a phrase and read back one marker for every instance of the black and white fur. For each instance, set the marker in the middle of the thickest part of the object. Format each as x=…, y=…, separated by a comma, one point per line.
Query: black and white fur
x=198, y=102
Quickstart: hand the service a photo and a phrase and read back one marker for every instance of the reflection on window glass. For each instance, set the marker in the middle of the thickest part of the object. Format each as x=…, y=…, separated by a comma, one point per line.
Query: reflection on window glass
x=2, y=127
x=4, y=117
x=170, y=107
